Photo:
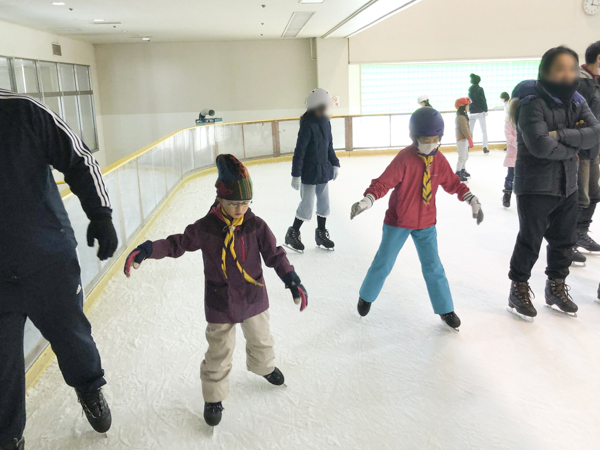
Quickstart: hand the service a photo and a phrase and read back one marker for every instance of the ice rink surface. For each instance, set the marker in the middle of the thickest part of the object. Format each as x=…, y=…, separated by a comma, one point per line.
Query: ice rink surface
x=396, y=379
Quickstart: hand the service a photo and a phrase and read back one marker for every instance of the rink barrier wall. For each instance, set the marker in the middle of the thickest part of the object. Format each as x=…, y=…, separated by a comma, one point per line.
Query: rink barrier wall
x=142, y=184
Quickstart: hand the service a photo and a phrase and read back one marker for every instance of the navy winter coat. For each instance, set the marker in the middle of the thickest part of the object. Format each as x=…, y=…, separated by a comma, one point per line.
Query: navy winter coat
x=546, y=165
x=314, y=157
x=590, y=90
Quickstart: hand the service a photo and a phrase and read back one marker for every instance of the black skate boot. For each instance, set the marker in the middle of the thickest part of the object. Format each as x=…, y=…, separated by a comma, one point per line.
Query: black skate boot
x=461, y=176
x=322, y=239
x=96, y=409
x=466, y=174
x=451, y=319
x=520, y=299
x=292, y=240
x=16, y=444
x=363, y=307
x=275, y=378
x=557, y=293
x=213, y=412
x=578, y=257
x=506, y=198
x=586, y=242
x=485, y=150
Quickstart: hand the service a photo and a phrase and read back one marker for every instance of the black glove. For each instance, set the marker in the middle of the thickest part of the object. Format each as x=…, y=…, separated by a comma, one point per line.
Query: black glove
x=292, y=282
x=102, y=229
x=136, y=257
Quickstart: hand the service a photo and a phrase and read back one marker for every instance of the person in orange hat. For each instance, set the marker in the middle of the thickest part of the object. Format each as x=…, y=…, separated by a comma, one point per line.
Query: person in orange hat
x=464, y=136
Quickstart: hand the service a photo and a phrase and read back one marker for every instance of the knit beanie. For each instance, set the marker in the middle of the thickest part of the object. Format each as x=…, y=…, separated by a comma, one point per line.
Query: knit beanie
x=475, y=79
x=233, y=182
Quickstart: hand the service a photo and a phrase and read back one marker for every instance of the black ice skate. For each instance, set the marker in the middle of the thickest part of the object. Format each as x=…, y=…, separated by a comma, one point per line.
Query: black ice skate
x=96, y=409
x=322, y=239
x=213, y=412
x=506, y=198
x=363, y=307
x=557, y=294
x=586, y=242
x=276, y=378
x=519, y=301
x=485, y=150
x=451, y=319
x=578, y=257
x=15, y=445
x=461, y=176
x=292, y=240
x=466, y=174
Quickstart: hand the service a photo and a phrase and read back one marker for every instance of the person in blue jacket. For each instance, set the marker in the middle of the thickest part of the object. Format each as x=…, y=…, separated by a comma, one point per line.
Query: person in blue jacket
x=314, y=166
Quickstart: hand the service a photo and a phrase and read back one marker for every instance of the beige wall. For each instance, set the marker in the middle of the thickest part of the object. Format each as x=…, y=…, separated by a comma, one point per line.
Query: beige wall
x=16, y=40
x=332, y=70
x=435, y=30
x=150, y=90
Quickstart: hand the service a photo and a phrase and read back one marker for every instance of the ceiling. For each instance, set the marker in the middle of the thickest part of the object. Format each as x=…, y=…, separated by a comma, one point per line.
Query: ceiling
x=194, y=20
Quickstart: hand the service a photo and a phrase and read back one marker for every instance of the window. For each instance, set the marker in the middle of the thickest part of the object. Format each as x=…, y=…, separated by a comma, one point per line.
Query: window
x=394, y=88
x=65, y=88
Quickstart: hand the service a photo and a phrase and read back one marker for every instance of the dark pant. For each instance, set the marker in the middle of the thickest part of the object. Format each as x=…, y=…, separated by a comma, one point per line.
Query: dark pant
x=53, y=299
x=510, y=177
x=550, y=217
x=589, y=192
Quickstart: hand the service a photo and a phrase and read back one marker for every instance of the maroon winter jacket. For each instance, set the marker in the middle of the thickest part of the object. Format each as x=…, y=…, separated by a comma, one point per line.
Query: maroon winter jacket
x=232, y=299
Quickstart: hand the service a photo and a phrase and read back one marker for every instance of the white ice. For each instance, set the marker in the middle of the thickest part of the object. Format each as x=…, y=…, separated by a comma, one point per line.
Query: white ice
x=396, y=379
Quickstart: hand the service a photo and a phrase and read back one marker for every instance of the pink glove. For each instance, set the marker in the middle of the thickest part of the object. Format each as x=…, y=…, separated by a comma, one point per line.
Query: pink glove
x=471, y=145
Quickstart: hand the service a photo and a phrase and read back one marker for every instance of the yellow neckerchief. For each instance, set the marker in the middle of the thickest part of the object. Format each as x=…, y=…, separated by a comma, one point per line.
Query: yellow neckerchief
x=428, y=160
x=229, y=243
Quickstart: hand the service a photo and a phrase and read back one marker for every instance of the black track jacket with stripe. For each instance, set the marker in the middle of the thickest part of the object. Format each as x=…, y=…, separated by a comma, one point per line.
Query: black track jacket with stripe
x=35, y=231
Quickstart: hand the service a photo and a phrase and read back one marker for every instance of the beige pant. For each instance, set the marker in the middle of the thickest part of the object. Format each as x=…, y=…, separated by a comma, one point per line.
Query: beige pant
x=260, y=356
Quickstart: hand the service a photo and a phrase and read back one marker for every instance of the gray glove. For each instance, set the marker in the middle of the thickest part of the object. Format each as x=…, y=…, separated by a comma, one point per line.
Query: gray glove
x=296, y=182
x=475, y=206
x=361, y=206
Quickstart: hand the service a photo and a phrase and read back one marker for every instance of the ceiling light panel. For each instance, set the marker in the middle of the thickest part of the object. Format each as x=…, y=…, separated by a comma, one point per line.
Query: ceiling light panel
x=296, y=23
x=310, y=1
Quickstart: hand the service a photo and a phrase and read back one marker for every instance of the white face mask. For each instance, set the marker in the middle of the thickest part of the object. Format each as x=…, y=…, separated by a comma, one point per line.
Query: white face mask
x=426, y=149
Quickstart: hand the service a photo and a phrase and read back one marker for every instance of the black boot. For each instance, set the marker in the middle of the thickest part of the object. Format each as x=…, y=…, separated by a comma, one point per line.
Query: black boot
x=586, y=242
x=485, y=150
x=96, y=409
x=292, y=240
x=15, y=445
x=213, y=412
x=578, y=257
x=461, y=176
x=506, y=198
x=322, y=239
x=557, y=293
x=363, y=307
x=466, y=174
x=276, y=377
x=451, y=319
x=520, y=299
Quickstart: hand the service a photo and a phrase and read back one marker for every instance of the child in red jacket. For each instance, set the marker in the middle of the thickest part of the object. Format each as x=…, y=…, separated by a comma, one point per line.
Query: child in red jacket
x=415, y=174
x=232, y=240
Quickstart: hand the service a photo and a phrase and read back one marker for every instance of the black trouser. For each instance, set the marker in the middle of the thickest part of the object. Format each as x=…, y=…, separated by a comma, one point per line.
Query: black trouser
x=589, y=192
x=53, y=299
x=544, y=216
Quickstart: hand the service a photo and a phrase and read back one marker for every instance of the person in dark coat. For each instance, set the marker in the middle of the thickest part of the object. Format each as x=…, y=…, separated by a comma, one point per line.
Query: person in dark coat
x=39, y=270
x=314, y=165
x=589, y=172
x=479, y=109
x=232, y=240
x=554, y=123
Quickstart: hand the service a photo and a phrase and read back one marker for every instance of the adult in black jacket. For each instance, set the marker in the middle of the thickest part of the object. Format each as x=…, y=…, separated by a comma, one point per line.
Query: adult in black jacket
x=39, y=270
x=314, y=165
x=478, y=109
x=589, y=172
x=553, y=123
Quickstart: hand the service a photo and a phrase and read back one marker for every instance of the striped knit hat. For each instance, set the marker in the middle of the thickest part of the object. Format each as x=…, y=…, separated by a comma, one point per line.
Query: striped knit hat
x=233, y=182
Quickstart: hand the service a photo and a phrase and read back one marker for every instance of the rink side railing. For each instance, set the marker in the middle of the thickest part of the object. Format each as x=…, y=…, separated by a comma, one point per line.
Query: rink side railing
x=140, y=184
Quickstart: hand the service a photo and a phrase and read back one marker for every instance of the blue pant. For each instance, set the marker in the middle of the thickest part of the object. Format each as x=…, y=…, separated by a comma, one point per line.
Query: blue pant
x=426, y=243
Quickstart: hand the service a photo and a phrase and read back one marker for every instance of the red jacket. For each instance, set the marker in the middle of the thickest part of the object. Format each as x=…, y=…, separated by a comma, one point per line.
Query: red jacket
x=405, y=176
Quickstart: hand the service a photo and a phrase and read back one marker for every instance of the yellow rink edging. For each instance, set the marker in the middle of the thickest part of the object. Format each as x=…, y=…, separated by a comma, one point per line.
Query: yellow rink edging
x=42, y=362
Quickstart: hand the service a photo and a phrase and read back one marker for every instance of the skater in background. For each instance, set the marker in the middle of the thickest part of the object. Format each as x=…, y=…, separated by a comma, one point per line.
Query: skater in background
x=414, y=175
x=479, y=109
x=40, y=276
x=232, y=240
x=313, y=167
x=510, y=132
x=423, y=100
x=464, y=138
x=553, y=123
x=588, y=174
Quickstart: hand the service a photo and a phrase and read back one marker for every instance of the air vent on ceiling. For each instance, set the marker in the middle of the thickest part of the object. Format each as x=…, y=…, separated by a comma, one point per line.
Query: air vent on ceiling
x=56, y=50
x=296, y=23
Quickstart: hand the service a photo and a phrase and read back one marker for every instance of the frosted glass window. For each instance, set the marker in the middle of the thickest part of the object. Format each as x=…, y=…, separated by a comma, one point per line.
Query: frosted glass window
x=48, y=76
x=394, y=88
x=71, y=113
x=88, y=135
x=4, y=74
x=25, y=76
x=67, y=77
x=83, y=78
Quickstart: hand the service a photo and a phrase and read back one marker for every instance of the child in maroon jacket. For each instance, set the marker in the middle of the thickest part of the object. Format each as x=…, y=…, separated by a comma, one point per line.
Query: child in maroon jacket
x=232, y=240
x=415, y=174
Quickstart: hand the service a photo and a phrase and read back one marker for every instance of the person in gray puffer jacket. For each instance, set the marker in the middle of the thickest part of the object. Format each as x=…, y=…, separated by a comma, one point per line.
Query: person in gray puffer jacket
x=553, y=123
